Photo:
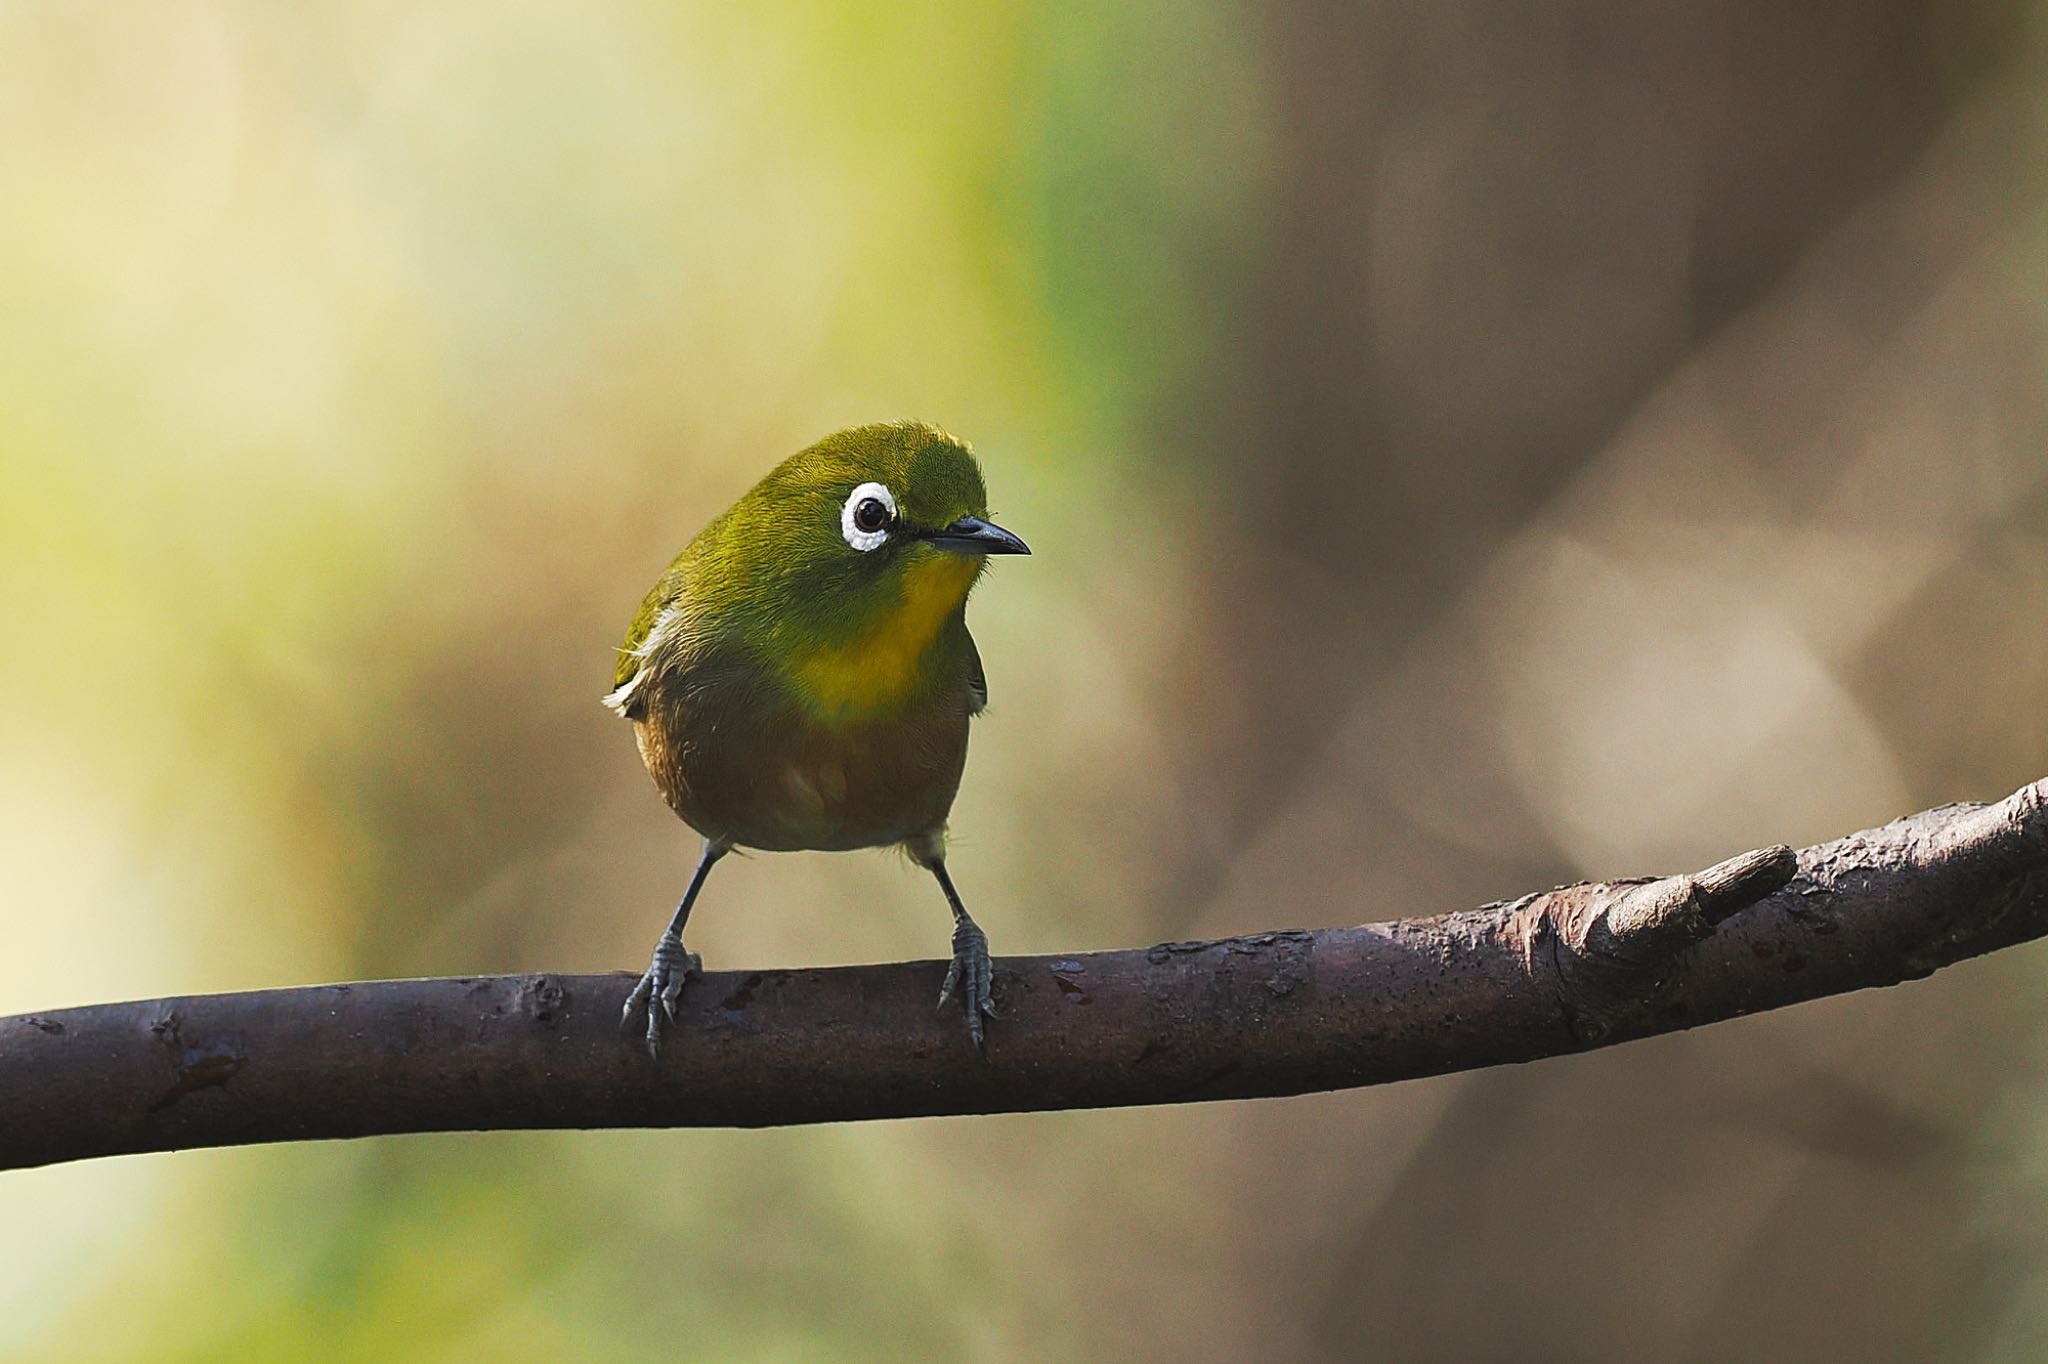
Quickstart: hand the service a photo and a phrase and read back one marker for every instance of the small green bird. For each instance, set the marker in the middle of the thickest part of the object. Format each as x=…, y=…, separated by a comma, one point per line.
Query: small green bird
x=802, y=676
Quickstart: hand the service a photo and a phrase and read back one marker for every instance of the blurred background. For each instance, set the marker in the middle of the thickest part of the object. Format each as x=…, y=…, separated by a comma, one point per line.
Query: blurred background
x=1468, y=446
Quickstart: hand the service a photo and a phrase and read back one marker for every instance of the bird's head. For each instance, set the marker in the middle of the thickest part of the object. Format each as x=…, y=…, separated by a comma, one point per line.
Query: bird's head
x=867, y=540
x=892, y=496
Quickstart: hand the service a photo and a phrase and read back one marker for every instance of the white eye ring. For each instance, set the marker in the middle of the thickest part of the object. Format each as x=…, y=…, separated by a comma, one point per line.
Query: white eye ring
x=865, y=540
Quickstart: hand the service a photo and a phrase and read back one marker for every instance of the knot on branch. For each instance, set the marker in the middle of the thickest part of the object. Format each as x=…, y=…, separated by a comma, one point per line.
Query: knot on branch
x=1615, y=944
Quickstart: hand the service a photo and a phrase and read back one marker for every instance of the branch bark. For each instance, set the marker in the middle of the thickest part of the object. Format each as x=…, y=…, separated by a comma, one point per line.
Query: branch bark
x=1278, y=1013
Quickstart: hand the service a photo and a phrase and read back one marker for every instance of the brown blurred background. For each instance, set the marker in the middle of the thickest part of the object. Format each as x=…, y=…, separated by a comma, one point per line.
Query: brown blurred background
x=1466, y=449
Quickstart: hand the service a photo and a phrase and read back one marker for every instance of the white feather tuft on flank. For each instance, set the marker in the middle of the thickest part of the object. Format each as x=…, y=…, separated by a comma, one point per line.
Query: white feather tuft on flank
x=659, y=637
x=619, y=698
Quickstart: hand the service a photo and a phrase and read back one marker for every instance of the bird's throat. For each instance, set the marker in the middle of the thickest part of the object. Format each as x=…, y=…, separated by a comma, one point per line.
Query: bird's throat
x=890, y=660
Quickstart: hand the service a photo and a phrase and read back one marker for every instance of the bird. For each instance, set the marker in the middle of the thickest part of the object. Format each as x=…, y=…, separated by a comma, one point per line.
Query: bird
x=802, y=677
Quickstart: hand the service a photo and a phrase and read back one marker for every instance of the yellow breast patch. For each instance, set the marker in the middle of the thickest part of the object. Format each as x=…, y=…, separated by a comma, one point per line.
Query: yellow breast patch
x=876, y=671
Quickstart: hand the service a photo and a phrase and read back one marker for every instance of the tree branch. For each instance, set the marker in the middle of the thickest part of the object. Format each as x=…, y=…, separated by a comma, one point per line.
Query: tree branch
x=1270, y=1014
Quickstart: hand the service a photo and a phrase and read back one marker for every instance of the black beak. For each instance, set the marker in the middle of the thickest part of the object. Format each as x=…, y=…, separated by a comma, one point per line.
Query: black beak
x=972, y=535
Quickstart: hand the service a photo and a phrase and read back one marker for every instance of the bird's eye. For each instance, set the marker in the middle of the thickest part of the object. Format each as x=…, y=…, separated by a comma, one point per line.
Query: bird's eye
x=865, y=519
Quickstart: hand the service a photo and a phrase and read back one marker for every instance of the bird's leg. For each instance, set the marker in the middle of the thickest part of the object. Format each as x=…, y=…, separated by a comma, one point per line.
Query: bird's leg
x=661, y=989
x=970, y=976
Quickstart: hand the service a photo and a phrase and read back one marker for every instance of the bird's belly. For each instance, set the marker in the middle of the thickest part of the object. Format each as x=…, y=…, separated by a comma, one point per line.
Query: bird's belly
x=824, y=801
x=793, y=785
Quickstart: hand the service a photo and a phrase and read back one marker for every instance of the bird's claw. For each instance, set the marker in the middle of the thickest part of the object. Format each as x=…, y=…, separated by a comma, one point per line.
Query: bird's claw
x=660, y=991
x=971, y=977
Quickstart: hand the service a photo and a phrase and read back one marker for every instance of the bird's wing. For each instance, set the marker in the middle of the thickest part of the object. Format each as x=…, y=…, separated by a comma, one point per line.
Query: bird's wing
x=631, y=653
x=977, y=680
x=631, y=671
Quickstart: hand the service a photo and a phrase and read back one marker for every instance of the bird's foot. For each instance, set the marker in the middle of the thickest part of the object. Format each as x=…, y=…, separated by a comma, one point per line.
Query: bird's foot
x=971, y=977
x=660, y=990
